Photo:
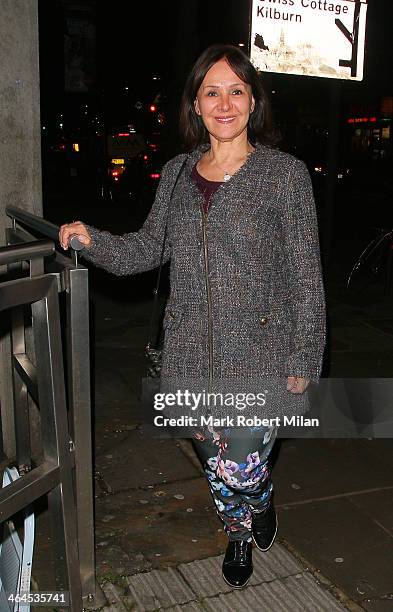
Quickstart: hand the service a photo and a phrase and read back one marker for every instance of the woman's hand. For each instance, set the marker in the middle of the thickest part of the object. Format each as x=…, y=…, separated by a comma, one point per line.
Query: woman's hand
x=297, y=384
x=76, y=228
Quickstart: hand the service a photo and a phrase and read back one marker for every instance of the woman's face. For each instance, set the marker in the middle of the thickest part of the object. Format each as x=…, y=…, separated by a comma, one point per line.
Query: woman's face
x=224, y=102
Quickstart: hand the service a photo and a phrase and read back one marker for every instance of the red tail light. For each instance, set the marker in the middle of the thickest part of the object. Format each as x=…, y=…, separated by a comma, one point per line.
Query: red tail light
x=155, y=175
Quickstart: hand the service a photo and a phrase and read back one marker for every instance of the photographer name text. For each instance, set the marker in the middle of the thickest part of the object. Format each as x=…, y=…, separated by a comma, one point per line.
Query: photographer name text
x=239, y=420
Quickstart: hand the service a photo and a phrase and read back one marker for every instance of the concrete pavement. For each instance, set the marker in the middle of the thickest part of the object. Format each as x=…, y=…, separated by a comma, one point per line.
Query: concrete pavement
x=157, y=534
x=158, y=540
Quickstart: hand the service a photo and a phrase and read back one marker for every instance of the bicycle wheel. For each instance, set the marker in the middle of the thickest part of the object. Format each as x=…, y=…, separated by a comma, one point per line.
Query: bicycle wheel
x=370, y=269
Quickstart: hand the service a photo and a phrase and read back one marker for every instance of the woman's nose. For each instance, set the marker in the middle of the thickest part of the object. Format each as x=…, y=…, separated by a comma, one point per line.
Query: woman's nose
x=225, y=102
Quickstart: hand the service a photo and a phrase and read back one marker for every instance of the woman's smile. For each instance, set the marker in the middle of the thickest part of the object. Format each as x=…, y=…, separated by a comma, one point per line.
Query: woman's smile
x=225, y=120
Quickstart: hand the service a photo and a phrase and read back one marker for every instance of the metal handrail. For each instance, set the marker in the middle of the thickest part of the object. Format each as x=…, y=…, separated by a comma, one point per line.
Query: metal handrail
x=40, y=225
x=53, y=476
x=28, y=250
x=72, y=282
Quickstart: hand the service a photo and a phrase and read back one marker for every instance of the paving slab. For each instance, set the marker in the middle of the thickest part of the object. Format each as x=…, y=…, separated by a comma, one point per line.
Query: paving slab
x=114, y=596
x=321, y=485
x=379, y=605
x=300, y=591
x=204, y=576
x=128, y=348
x=134, y=460
x=159, y=589
x=193, y=606
x=293, y=594
x=110, y=386
x=379, y=507
x=341, y=542
x=155, y=527
x=310, y=469
x=118, y=370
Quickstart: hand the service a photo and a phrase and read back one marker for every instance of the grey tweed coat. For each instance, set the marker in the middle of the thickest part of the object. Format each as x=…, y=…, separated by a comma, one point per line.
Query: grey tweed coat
x=246, y=295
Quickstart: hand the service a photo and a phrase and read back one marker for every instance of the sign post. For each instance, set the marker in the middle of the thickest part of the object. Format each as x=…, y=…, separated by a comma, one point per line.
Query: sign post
x=309, y=37
x=316, y=38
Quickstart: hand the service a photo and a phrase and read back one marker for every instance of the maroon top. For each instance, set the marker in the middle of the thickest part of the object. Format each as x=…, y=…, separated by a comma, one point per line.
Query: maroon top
x=206, y=187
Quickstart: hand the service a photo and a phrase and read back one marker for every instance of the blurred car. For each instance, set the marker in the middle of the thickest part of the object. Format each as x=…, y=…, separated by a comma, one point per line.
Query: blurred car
x=319, y=170
x=136, y=178
x=125, y=141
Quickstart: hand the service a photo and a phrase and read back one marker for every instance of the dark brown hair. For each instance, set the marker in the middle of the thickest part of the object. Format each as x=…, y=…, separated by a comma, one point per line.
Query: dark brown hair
x=260, y=125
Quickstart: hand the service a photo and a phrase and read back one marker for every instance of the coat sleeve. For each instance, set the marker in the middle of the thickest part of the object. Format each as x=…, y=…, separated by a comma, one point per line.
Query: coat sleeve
x=302, y=255
x=136, y=251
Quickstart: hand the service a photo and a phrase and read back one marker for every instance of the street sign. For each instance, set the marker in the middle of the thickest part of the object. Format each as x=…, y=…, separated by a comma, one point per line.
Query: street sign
x=309, y=37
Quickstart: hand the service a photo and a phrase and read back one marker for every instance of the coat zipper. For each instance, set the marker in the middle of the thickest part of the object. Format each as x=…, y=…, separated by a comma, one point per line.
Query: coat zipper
x=208, y=293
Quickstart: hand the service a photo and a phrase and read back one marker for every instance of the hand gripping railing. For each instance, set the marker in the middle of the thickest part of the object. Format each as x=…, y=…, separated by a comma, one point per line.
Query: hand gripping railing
x=72, y=284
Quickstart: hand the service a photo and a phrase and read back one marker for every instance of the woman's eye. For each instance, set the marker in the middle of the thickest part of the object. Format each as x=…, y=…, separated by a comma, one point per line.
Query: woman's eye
x=211, y=93
x=237, y=92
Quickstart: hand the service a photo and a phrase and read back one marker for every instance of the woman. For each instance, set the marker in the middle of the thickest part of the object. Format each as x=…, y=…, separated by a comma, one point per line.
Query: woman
x=246, y=296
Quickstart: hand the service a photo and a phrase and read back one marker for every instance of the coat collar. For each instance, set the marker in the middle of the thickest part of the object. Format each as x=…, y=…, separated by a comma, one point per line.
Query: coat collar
x=249, y=166
x=195, y=155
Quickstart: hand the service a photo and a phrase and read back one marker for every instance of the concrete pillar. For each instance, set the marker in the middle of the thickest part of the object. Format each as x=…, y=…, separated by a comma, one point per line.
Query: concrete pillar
x=185, y=48
x=20, y=149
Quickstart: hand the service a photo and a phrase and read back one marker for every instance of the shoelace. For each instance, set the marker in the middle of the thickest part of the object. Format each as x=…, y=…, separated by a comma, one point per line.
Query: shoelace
x=240, y=549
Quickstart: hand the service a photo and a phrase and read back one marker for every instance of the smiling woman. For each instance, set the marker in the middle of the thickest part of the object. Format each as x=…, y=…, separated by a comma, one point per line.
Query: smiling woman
x=237, y=71
x=236, y=218
x=224, y=104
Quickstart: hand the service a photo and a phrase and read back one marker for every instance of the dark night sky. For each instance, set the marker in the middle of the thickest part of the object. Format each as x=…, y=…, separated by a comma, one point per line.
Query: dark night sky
x=138, y=39
x=138, y=36
x=146, y=31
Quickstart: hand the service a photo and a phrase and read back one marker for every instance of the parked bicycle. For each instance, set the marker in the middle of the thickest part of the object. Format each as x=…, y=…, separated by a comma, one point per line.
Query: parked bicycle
x=374, y=265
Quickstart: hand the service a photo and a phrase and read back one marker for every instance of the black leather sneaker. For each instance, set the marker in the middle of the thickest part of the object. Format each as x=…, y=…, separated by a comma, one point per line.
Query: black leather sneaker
x=237, y=565
x=264, y=528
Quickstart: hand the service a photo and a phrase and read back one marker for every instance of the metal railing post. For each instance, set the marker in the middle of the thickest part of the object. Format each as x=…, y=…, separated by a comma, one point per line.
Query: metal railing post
x=73, y=280
x=78, y=358
x=53, y=476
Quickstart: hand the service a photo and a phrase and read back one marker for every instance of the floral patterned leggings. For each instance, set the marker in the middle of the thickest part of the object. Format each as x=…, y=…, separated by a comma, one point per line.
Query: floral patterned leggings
x=239, y=476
